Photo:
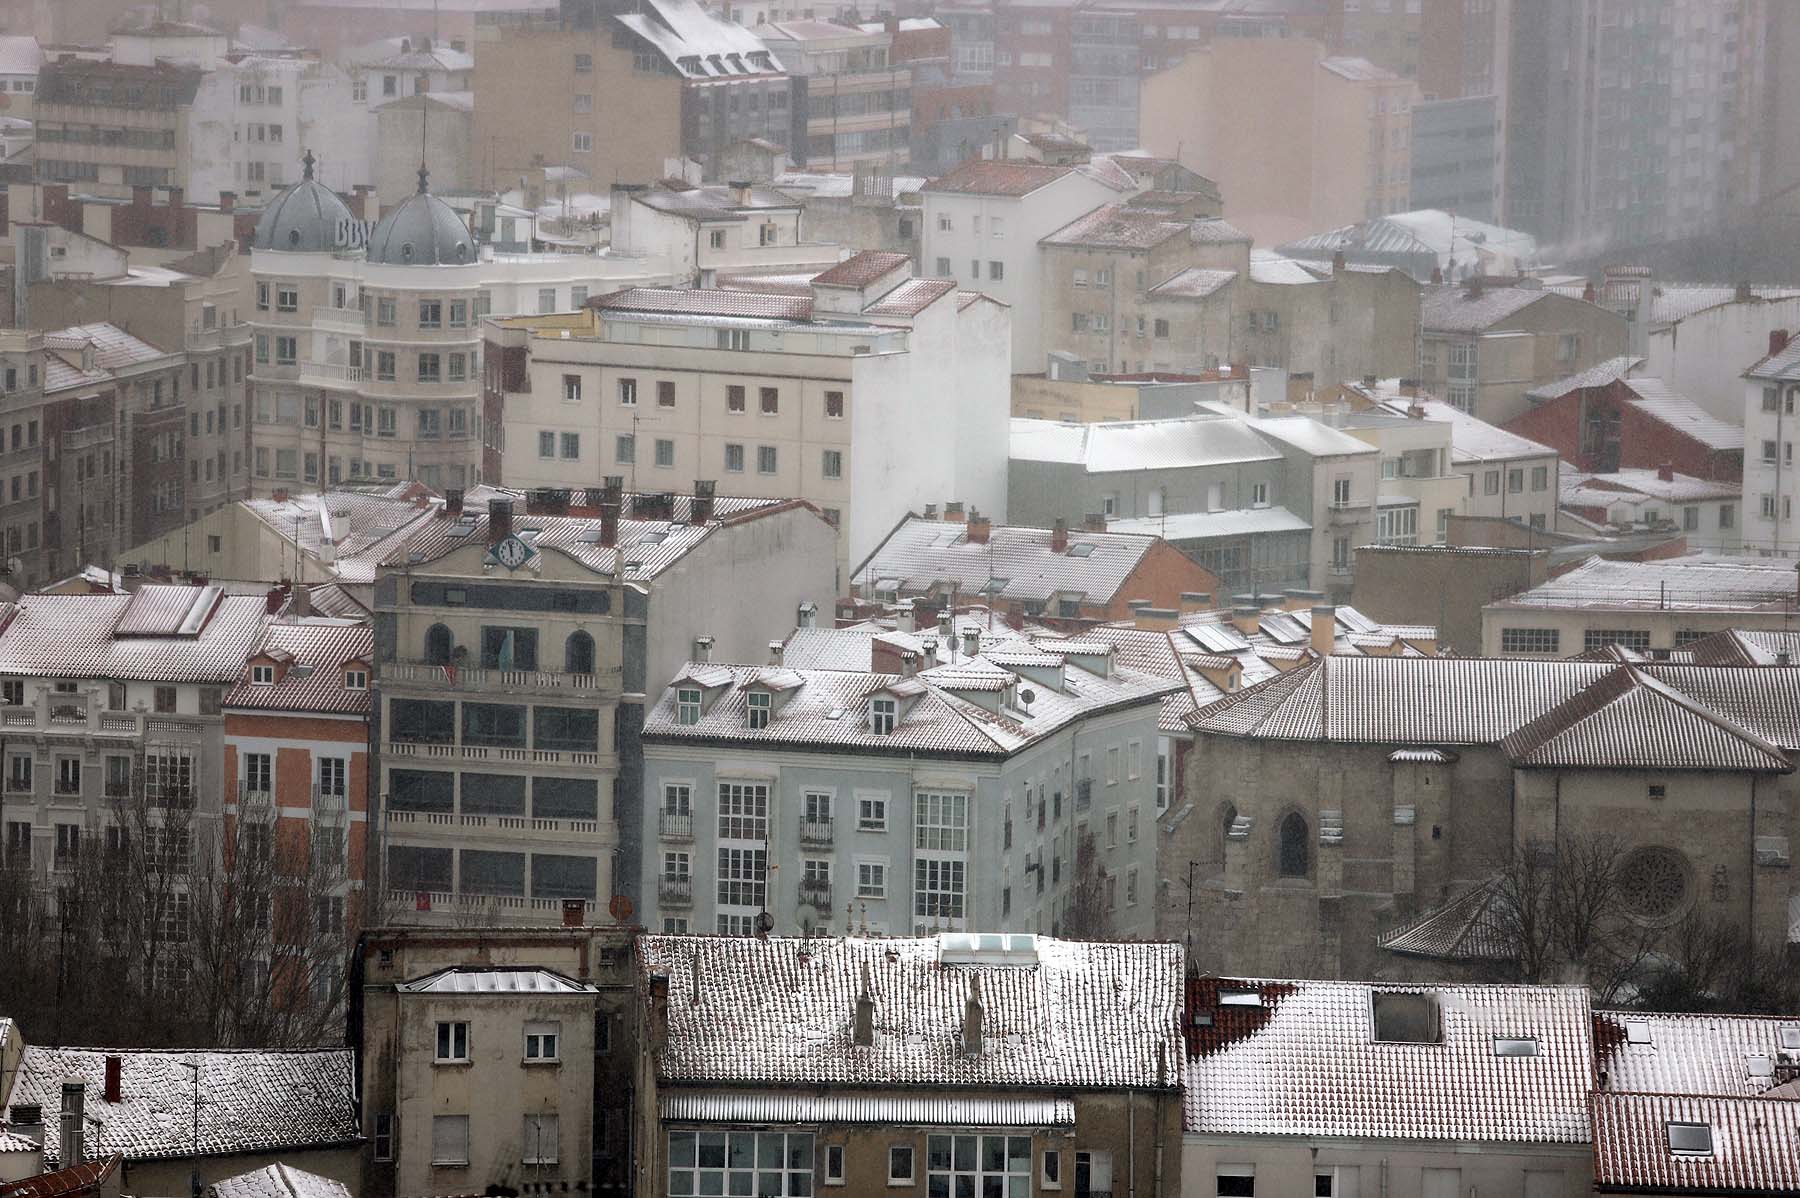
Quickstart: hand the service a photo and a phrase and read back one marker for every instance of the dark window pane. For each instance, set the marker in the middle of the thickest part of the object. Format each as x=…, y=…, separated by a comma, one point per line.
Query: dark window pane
x=493, y=794
x=565, y=798
x=555, y=876
x=421, y=790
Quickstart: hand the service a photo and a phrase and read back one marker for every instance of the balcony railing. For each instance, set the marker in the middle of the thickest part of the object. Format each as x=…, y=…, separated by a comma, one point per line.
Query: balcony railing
x=498, y=680
x=513, y=906
x=816, y=892
x=675, y=890
x=816, y=831
x=675, y=825
x=433, y=749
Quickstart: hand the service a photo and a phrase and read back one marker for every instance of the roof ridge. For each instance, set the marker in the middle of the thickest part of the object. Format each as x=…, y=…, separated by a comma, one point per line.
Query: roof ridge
x=1672, y=694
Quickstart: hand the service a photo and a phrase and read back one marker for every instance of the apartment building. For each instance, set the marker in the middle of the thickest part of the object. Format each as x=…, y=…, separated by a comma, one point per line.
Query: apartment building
x=108, y=126
x=1705, y=513
x=367, y=340
x=1332, y=144
x=1771, y=394
x=507, y=724
x=1010, y=789
x=295, y=767
x=1420, y=490
x=1484, y=347
x=114, y=704
x=1610, y=418
x=23, y=364
x=983, y=223
x=852, y=102
x=1508, y=477
x=693, y=235
x=886, y=1071
x=869, y=394
x=510, y=1064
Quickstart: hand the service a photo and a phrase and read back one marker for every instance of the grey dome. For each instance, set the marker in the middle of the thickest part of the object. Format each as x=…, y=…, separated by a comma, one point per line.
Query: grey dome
x=304, y=218
x=421, y=231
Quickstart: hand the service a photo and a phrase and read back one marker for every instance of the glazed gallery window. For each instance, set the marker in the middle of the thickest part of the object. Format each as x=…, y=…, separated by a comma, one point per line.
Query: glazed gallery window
x=768, y=1164
x=977, y=1165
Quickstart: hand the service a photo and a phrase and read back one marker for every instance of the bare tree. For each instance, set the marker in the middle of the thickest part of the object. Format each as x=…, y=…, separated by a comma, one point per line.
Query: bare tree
x=1562, y=913
x=1085, y=916
x=1712, y=964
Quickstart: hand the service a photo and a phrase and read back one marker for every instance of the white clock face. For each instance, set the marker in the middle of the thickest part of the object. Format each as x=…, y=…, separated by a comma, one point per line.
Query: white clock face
x=511, y=553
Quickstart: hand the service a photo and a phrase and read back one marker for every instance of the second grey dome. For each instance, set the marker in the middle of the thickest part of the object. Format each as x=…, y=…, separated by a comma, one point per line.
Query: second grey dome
x=421, y=231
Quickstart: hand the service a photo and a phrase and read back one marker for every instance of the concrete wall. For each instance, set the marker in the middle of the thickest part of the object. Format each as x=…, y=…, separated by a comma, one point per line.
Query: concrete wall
x=1042, y=492
x=1388, y=1169
x=1442, y=587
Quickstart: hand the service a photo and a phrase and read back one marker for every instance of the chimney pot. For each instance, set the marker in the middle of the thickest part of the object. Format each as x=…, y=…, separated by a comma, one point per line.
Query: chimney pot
x=980, y=527
x=703, y=649
x=924, y=612
x=1093, y=522
x=945, y=626
x=609, y=520
x=1337, y=261
x=702, y=509
x=775, y=652
x=931, y=511
x=971, y=639
x=1666, y=472
x=1059, y=536
x=909, y=662
x=1588, y=293
x=1437, y=274
x=953, y=510
x=115, y=1069
x=865, y=1012
x=973, y=1018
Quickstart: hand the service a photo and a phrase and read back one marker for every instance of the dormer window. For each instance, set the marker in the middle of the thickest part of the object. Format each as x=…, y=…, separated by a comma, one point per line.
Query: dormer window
x=756, y=713
x=262, y=675
x=687, y=706
x=883, y=713
x=1690, y=1139
x=356, y=680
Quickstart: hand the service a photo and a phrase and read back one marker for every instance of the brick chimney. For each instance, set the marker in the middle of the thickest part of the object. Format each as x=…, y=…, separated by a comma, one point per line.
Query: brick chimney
x=115, y=1075
x=1437, y=274
x=974, y=1016
x=1778, y=340
x=499, y=520
x=702, y=507
x=924, y=609
x=1059, y=536
x=979, y=527
x=1324, y=628
x=1666, y=472
x=613, y=487
x=609, y=519
x=953, y=510
x=1337, y=262
x=1588, y=293
x=453, y=503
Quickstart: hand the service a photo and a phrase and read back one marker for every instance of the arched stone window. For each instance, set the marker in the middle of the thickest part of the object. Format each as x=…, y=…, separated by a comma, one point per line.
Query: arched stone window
x=1291, y=860
x=578, y=655
x=438, y=644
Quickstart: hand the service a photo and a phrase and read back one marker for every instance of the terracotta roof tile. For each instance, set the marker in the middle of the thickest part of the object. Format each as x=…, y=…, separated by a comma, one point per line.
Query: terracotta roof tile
x=1754, y=1145
x=862, y=269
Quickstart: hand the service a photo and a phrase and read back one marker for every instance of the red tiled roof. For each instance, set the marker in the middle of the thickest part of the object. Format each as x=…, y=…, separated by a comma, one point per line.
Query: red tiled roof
x=862, y=269
x=984, y=176
x=76, y=1179
x=911, y=297
x=318, y=649
x=1755, y=1145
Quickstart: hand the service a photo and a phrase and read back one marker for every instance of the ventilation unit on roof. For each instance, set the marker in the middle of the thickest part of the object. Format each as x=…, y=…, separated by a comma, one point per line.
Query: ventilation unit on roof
x=1790, y=1038
x=1761, y=1064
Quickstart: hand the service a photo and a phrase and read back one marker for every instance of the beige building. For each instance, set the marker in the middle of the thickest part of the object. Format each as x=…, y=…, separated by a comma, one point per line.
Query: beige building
x=1330, y=144
x=1647, y=607
x=824, y=393
x=1482, y=347
x=1436, y=1090
x=507, y=1063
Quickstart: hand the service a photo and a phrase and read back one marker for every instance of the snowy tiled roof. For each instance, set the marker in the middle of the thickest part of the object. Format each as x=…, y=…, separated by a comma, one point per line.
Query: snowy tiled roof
x=279, y=1181
x=1304, y=1061
x=1585, y=489
x=696, y=43
x=696, y=301
x=1463, y=929
x=494, y=980
x=1014, y=562
x=1119, y=227
x=86, y=1178
x=1682, y=414
x=1195, y=526
x=87, y=636
x=862, y=269
x=1196, y=282
x=1779, y=366
x=1747, y=647
x=1599, y=375
x=914, y=1110
x=1698, y=582
x=1216, y=230
x=911, y=297
x=1207, y=440
x=1011, y=177
x=1266, y=266
x=744, y=1010
x=252, y=1101
x=318, y=648
x=354, y=528
x=1754, y=1145
x=114, y=348
x=1724, y=1055
x=1452, y=308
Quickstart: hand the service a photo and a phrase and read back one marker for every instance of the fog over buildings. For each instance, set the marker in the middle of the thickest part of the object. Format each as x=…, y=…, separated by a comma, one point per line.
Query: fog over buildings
x=948, y=598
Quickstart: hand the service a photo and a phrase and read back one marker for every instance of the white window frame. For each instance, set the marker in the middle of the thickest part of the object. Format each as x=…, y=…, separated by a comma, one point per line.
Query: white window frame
x=543, y=1041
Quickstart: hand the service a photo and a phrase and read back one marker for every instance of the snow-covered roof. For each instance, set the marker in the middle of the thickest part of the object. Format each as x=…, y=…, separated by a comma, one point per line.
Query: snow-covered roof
x=1011, y=177
x=750, y=1011
x=251, y=1100
x=1196, y=282
x=698, y=44
x=1471, y=438
x=1117, y=227
x=913, y=1110
x=1457, y=308
x=1697, y=582
x=20, y=55
x=1267, y=266
x=826, y=185
x=160, y=633
x=1661, y=403
x=1581, y=488
x=317, y=649
x=1302, y=1058
x=1198, y=526
x=1690, y=1053
x=1752, y=1145
x=279, y=1181
x=1598, y=375
x=345, y=532
x=1105, y=448
x=471, y=979
x=1013, y=563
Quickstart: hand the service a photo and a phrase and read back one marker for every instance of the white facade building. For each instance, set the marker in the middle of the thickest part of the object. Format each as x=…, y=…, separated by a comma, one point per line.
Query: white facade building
x=1771, y=426
x=983, y=222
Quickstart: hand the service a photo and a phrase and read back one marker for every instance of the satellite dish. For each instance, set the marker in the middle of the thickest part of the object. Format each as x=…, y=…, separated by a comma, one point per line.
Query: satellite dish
x=1028, y=695
x=765, y=923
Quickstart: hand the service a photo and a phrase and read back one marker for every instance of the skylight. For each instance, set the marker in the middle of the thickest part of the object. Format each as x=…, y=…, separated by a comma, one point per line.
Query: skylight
x=1081, y=549
x=1519, y=1046
x=1790, y=1037
x=1690, y=1139
x=1637, y=1032
x=1761, y=1064
x=1239, y=998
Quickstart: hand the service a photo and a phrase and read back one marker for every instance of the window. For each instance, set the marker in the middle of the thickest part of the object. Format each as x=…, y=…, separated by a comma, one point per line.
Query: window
x=767, y=1163
x=734, y=338
x=539, y=1146
x=665, y=394
x=871, y=813
x=834, y=405
x=996, y=270
x=571, y=388
x=734, y=398
x=687, y=706
x=262, y=675
x=628, y=392
x=871, y=879
x=665, y=452
x=333, y=772
x=1599, y=638
x=584, y=63
x=1235, y=1181
x=1052, y=1171
x=765, y=459
x=356, y=680
x=571, y=446
x=1340, y=492
x=541, y=1039
x=756, y=711
x=164, y=699
x=1515, y=481
x=900, y=1164
x=882, y=716
x=1690, y=1139
x=382, y=1138
x=834, y=1164
x=734, y=458
x=431, y=313
x=769, y=400
x=452, y=1041
x=450, y=1140
x=1727, y=515
x=1292, y=853
x=546, y=444
x=625, y=449
x=1530, y=640
x=582, y=142
x=972, y=1164
x=1540, y=478
x=943, y=268
x=832, y=465
x=1406, y=1017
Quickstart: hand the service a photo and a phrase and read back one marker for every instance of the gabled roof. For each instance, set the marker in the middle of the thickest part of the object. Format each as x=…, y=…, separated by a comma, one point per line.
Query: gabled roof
x=1453, y=308
x=777, y=1011
x=88, y=636
x=1013, y=563
x=318, y=649
x=1196, y=282
x=1627, y=719
x=1609, y=371
x=279, y=1181
x=252, y=1100
x=1202, y=440
x=1117, y=227
x=1012, y=177
x=1690, y=1053
x=1463, y=929
x=697, y=43
x=1747, y=647
x=1303, y=1061
x=1754, y=1145
x=1656, y=400
x=1697, y=582
x=860, y=270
